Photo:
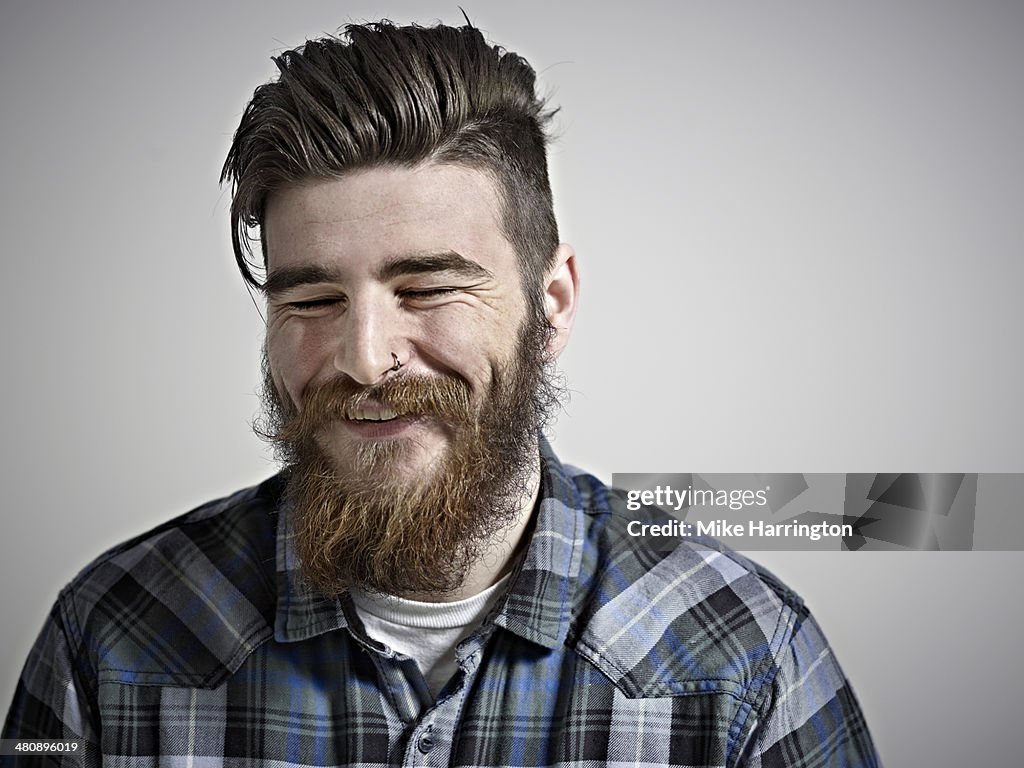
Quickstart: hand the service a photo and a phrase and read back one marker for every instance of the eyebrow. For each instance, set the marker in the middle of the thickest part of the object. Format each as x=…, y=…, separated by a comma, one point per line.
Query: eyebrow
x=281, y=280
x=286, y=278
x=425, y=263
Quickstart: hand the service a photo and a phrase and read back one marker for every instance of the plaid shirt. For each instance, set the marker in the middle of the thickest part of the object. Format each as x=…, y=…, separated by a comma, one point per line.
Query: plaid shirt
x=192, y=646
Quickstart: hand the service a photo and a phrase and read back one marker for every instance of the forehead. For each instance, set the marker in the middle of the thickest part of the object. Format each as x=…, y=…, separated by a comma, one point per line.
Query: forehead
x=379, y=213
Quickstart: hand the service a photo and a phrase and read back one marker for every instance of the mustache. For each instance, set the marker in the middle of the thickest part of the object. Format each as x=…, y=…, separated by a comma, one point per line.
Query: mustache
x=442, y=396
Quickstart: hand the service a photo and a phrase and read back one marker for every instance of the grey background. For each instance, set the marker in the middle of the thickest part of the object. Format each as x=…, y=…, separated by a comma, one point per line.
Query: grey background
x=799, y=226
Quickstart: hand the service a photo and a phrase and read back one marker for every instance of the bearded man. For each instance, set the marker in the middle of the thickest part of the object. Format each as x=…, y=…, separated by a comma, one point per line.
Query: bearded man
x=424, y=583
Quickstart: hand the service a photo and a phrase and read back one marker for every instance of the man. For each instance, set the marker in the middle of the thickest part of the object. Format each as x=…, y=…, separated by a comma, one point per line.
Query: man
x=425, y=582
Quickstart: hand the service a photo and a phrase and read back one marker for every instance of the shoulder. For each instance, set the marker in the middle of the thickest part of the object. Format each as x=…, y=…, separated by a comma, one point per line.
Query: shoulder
x=670, y=614
x=182, y=603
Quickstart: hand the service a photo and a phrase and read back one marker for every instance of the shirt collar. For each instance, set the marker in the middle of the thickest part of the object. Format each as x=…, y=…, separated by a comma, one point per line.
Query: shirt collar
x=539, y=598
x=301, y=613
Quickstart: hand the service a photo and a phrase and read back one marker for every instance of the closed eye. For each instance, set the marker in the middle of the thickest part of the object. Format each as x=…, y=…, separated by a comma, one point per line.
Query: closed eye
x=313, y=303
x=428, y=293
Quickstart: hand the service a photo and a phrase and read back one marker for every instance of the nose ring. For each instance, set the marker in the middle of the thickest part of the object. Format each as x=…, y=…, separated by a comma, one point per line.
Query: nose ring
x=398, y=364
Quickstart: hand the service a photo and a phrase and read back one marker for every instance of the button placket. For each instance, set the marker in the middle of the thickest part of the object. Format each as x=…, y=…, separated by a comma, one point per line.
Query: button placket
x=432, y=740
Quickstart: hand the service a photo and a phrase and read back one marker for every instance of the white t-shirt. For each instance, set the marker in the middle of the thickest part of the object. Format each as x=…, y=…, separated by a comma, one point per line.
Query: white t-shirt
x=426, y=632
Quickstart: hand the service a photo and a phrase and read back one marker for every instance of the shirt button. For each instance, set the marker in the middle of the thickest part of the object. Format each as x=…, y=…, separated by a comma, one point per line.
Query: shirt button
x=426, y=743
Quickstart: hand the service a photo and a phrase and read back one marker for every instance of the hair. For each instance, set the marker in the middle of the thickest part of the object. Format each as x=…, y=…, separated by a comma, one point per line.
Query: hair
x=383, y=95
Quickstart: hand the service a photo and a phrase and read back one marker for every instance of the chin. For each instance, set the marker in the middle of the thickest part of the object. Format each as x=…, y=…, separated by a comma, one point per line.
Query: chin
x=397, y=461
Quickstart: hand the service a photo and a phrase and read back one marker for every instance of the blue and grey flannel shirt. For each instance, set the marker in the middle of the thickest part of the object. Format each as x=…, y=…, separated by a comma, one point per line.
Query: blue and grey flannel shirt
x=193, y=645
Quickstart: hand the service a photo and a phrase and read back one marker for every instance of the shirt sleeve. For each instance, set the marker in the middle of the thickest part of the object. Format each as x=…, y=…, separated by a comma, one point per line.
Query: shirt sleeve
x=51, y=700
x=810, y=718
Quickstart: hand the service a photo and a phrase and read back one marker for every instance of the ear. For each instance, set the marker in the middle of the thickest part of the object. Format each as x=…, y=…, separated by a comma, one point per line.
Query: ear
x=561, y=294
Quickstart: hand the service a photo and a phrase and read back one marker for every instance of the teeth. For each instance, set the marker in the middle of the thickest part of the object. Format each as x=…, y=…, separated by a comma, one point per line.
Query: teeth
x=384, y=414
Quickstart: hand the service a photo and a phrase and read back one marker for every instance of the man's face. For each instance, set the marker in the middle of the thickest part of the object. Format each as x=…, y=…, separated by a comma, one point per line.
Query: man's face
x=400, y=478
x=382, y=263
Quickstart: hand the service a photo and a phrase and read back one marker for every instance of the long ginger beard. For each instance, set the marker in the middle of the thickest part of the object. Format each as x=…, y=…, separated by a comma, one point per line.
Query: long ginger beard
x=359, y=522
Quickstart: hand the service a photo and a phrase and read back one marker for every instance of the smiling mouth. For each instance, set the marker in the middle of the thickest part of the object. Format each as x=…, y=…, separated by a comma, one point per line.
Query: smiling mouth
x=364, y=414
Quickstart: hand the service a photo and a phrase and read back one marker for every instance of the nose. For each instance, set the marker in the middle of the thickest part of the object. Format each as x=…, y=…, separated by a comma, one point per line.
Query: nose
x=369, y=340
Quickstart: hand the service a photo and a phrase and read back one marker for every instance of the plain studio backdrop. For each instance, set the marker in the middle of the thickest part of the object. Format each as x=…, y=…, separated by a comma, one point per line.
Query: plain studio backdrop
x=800, y=236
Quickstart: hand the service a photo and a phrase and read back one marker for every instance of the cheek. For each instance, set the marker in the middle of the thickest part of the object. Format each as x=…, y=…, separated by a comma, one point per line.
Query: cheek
x=469, y=346
x=296, y=356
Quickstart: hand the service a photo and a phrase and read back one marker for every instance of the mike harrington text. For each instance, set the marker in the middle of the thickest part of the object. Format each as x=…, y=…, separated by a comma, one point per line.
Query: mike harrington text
x=724, y=529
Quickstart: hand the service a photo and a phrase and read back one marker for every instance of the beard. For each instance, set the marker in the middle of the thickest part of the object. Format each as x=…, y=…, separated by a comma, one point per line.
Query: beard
x=359, y=522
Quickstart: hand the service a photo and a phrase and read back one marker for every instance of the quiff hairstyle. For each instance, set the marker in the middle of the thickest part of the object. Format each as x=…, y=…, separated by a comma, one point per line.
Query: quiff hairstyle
x=383, y=95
